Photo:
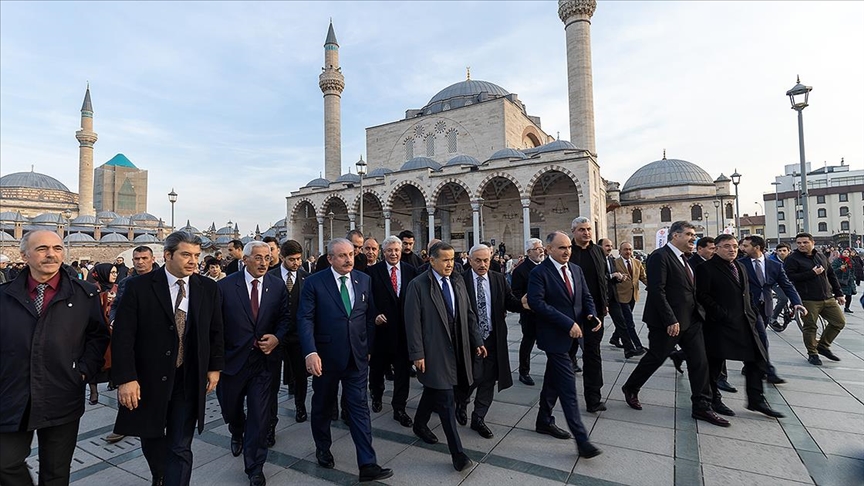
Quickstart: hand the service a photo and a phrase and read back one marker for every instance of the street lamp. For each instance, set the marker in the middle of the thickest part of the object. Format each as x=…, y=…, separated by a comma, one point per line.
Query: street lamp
x=798, y=96
x=172, y=198
x=331, y=215
x=717, y=214
x=736, y=178
x=361, y=171
x=777, y=209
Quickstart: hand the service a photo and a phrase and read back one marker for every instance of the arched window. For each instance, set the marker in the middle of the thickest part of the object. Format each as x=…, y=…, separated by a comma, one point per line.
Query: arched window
x=781, y=215
x=729, y=212
x=844, y=225
x=430, y=146
x=823, y=226
x=844, y=210
x=409, y=148
x=696, y=212
x=451, y=141
x=821, y=213
x=782, y=228
x=637, y=215
x=665, y=215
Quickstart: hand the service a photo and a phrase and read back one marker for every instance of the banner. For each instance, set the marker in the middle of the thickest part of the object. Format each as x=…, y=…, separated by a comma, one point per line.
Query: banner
x=661, y=238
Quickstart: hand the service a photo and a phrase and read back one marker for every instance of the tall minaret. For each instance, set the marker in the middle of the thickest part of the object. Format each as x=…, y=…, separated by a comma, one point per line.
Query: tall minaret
x=86, y=138
x=576, y=15
x=332, y=82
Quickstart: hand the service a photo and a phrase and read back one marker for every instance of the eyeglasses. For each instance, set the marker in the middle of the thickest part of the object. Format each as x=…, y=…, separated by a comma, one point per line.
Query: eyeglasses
x=259, y=258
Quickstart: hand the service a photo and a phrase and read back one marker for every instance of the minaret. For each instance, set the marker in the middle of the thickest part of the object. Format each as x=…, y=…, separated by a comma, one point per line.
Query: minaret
x=332, y=83
x=86, y=138
x=576, y=15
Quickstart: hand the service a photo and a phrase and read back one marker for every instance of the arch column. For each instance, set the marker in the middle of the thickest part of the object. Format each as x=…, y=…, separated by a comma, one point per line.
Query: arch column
x=352, y=217
x=431, y=211
x=386, y=215
x=526, y=219
x=475, y=219
x=320, y=234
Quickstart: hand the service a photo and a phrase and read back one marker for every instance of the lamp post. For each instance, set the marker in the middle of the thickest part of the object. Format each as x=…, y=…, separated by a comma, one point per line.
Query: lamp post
x=361, y=171
x=287, y=212
x=705, y=217
x=777, y=209
x=717, y=214
x=798, y=96
x=172, y=198
x=331, y=215
x=736, y=178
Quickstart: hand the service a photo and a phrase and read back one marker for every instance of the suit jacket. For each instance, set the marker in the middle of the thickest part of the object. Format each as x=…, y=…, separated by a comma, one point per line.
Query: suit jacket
x=695, y=260
x=519, y=286
x=232, y=267
x=308, y=266
x=144, y=347
x=390, y=336
x=556, y=310
x=293, y=303
x=324, y=327
x=628, y=290
x=598, y=258
x=503, y=300
x=360, y=263
x=414, y=260
x=240, y=328
x=428, y=331
x=774, y=275
x=730, y=326
x=671, y=293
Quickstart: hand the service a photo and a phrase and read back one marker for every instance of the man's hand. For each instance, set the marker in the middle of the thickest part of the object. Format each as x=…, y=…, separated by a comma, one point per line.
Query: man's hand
x=599, y=322
x=267, y=343
x=525, y=302
x=818, y=269
x=381, y=319
x=481, y=351
x=575, y=331
x=212, y=380
x=420, y=364
x=313, y=364
x=673, y=330
x=129, y=394
x=800, y=308
x=841, y=300
x=620, y=276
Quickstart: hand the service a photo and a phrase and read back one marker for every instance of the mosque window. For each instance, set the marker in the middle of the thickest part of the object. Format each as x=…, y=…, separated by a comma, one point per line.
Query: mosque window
x=451, y=141
x=637, y=215
x=409, y=148
x=440, y=127
x=822, y=213
x=638, y=243
x=729, y=213
x=780, y=203
x=665, y=215
x=696, y=213
x=781, y=215
x=844, y=225
x=844, y=210
x=430, y=146
x=782, y=228
x=823, y=226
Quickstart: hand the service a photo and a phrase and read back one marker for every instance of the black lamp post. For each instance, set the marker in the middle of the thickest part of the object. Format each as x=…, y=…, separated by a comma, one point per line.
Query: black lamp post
x=799, y=96
x=361, y=171
x=172, y=198
x=736, y=179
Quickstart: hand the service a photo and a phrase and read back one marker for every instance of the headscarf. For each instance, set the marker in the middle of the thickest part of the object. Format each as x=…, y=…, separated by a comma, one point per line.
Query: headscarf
x=100, y=276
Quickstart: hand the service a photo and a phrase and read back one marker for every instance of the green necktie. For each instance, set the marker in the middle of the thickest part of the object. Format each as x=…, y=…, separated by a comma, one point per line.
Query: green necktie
x=346, y=299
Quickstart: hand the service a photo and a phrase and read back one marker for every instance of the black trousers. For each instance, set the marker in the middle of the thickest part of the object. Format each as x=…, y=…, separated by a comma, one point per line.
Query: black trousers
x=484, y=382
x=660, y=345
x=559, y=382
x=627, y=311
x=443, y=403
x=294, y=372
x=592, y=364
x=170, y=456
x=529, y=338
x=379, y=365
x=56, y=446
x=753, y=373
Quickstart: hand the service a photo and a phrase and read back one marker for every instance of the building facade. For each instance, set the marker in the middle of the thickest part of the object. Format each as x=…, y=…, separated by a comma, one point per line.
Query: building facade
x=120, y=187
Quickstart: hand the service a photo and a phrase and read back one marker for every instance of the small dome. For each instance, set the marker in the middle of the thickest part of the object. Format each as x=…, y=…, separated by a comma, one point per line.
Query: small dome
x=463, y=93
x=4, y=236
x=43, y=218
x=32, y=180
x=107, y=215
x=120, y=221
x=146, y=238
x=462, y=160
x=667, y=173
x=319, y=182
x=144, y=217
x=379, y=172
x=221, y=240
x=246, y=239
x=722, y=178
x=269, y=232
x=120, y=160
x=349, y=178
x=508, y=153
x=86, y=220
x=12, y=216
x=79, y=238
x=114, y=238
x=421, y=163
x=190, y=229
x=225, y=230
x=555, y=146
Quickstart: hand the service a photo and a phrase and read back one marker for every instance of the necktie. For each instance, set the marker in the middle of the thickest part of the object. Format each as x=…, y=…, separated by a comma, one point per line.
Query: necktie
x=629, y=268
x=734, y=269
x=566, y=280
x=343, y=290
x=687, y=267
x=482, y=315
x=289, y=283
x=448, y=301
x=759, y=275
x=40, y=297
x=254, y=299
x=180, y=321
x=394, y=280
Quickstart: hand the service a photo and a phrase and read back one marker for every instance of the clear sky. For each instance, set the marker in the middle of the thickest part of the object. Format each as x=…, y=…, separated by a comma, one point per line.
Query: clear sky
x=220, y=100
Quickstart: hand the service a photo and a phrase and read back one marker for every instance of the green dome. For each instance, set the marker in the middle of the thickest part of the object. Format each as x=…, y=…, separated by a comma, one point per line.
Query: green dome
x=120, y=160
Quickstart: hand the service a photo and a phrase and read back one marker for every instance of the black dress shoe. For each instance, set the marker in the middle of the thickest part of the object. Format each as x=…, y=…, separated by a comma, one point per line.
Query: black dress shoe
x=722, y=409
x=461, y=462
x=726, y=386
x=616, y=342
x=480, y=426
x=377, y=405
x=710, y=417
x=291, y=389
x=236, y=445
x=345, y=416
x=335, y=414
x=157, y=481
x=257, y=480
x=632, y=399
x=374, y=472
x=300, y=414
x=403, y=418
x=827, y=353
x=587, y=450
x=424, y=433
x=552, y=430
x=325, y=459
x=526, y=379
x=271, y=436
x=775, y=380
x=461, y=414
x=813, y=359
x=576, y=367
x=677, y=360
x=596, y=407
x=763, y=408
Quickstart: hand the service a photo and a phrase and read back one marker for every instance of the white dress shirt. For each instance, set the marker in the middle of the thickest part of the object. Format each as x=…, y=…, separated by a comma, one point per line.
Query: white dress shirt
x=398, y=277
x=438, y=278
x=678, y=254
x=761, y=261
x=348, y=283
x=175, y=291
x=249, y=278
x=285, y=273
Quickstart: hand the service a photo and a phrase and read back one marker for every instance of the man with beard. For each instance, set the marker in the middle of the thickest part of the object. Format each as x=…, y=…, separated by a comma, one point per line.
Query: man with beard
x=527, y=319
x=408, y=255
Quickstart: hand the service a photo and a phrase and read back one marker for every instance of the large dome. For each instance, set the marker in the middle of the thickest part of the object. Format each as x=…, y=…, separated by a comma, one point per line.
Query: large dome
x=32, y=180
x=463, y=93
x=667, y=173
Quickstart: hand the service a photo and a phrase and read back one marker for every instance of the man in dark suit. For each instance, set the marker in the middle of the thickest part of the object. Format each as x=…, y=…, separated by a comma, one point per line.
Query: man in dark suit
x=763, y=274
x=490, y=298
x=389, y=280
x=442, y=333
x=458, y=268
x=613, y=278
x=527, y=320
x=309, y=265
x=336, y=324
x=627, y=291
x=674, y=316
x=360, y=262
x=167, y=353
x=730, y=329
x=254, y=311
x=235, y=250
x=408, y=255
x=557, y=292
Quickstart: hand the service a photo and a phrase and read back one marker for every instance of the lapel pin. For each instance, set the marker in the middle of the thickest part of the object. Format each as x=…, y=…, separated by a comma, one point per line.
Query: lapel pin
x=70, y=304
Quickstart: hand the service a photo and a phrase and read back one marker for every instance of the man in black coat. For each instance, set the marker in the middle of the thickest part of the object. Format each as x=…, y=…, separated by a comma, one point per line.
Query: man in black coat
x=534, y=254
x=730, y=328
x=408, y=255
x=390, y=278
x=490, y=298
x=360, y=262
x=613, y=278
x=167, y=353
x=235, y=250
x=48, y=321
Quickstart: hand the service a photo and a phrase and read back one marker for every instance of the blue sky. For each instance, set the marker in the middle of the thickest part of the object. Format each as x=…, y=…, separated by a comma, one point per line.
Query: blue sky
x=220, y=100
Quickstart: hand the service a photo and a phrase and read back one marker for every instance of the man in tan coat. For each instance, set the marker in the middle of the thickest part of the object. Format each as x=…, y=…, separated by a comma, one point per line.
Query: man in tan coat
x=628, y=289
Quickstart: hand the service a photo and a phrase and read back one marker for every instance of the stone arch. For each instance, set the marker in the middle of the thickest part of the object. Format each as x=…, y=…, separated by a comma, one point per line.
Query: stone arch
x=531, y=137
x=400, y=185
x=558, y=168
x=366, y=192
x=451, y=180
x=504, y=175
x=298, y=204
x=326, y=202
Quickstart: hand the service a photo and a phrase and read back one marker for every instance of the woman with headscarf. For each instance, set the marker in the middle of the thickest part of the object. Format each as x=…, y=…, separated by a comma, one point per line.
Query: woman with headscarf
x=104, y=276
x=845, y=271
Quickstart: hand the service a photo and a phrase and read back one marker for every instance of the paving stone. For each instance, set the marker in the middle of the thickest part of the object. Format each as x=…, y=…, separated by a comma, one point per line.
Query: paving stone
x=422, y=467
x=290, y=476
x=506, y=413
x=103, y=450
x=488, y=475
x=655, y=415
x=112, y=476
x=721, y=476
x=345, y=453
x=812, y=400
x=766, y=431
x=646, y=438
x=839, y=443
x=628, y=466
x=827, y=419
x=529, y=446
x=781, y=462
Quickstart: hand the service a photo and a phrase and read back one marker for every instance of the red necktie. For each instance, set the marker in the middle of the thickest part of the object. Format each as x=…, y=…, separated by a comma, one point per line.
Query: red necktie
x=394, y=280
x=629, y=268
x=566, y=280
x=254, y=299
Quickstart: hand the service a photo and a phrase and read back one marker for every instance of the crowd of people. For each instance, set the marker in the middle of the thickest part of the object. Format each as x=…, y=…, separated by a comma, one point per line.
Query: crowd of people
x=368, y=312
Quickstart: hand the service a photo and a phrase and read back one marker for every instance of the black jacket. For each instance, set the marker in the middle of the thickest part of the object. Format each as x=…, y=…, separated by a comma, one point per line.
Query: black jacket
x=44, y=357
x=598, y=257
x=799, y=269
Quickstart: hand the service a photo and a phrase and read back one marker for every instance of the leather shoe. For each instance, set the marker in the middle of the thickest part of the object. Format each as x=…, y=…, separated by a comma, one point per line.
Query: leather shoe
x=677, y=360
x=710, y=417
x=634, y=353
x=552, y=430
x=257, y=480
x=376, y=405
x=587, y=450
x=325, y=459
x=827, y=353
x=763, y=408
x=576, y=367
x=271, y=436
x=113, y=438
x=632, y=399
x=461, y=414
x=725, y=386
x=157, y=481
x=616, y=342
x=597, y=407
x=526, y=379
x=813, y=359
x=300, y=414
x=334, y=415
x=424, y=433
x=480, y=426
x=403, y=418
x=374, y=472
x=775, y=380
x=236, y=445
x=722, y=409
x=461, y=461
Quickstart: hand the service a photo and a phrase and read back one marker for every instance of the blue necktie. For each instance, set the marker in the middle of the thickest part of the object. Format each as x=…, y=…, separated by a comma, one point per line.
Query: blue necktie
x=448, y=301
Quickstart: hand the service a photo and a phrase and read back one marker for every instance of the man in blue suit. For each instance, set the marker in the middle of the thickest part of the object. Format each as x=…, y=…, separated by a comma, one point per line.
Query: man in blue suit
x=336, y=324
x=763, y=274
x=558, y=295
x=254, y=310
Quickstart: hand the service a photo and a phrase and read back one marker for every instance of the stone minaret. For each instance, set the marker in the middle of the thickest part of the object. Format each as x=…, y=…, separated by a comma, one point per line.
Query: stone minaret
x=86, y=138
x=332, y=82
x=576, y=15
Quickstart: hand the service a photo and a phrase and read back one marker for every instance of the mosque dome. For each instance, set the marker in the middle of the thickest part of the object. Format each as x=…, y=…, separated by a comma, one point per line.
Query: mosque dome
x=53, y=218
x=349, y=178
x=221, y=240
x=667, y=173
x=107, y=215
x=421, y=163
x=319, y=182
x=146, y=238
x=120, y=221
x=463, y=93
x=556, y=145
x=78, y=238
x=4, y=236
x=379, y=172
x=12, y=216
x=508, y=153
x=144, y=217
x=225, y=230
x=32, y=180
x=462, y=160
x=114, y=238
x=85, y=220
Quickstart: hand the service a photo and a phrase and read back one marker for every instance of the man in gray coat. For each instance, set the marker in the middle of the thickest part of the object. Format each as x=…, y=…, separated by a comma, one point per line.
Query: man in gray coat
x=441, y=330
